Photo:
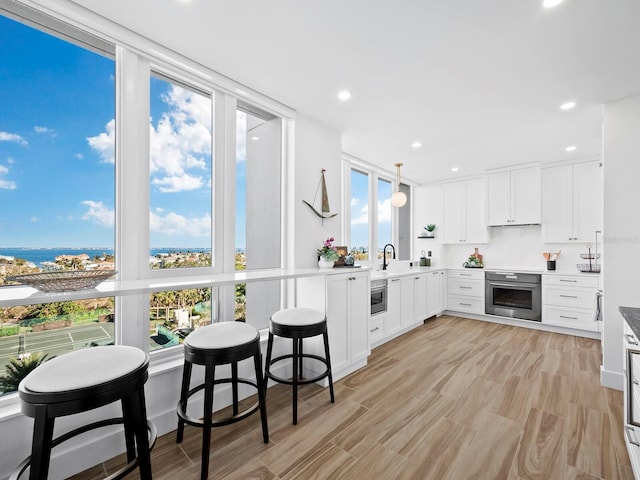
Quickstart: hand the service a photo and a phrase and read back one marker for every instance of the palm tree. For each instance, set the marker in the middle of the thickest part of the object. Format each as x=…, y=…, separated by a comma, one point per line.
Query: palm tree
x=17, y=369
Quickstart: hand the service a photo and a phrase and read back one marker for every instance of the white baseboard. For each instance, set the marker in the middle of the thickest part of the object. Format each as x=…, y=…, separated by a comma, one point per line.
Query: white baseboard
x=611, y=379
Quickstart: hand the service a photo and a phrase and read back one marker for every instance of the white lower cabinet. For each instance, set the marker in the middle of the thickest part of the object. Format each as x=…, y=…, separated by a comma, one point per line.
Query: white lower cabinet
x=465, y=291
x=411, y=298
x=631, y=407
x=435, y=293
x=569, y=301
x=345, y=299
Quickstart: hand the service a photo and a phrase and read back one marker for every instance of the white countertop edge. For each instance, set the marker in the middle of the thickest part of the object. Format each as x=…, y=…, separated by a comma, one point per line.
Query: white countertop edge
x=21, y=295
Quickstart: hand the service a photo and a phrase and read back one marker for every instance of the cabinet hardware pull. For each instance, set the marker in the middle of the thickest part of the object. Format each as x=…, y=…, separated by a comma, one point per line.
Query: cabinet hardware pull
x=565, y=280
x=465, y=304
x=627, y=431
x=463, y=286
x=465, y=274
x=377, y=328
x=635, y=382
x=395, y=280
x=568, y=296
x=416, y=278
x=570, y=318
x=630, y=339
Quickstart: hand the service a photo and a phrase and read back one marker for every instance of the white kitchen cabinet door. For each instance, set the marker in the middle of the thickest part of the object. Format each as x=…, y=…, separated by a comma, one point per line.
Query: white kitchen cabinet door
x=392, y=319
x=347, y=319
x=514, y=197
x=407, y=303
x=499, y=199
x=475, y=211
x=452, y=212
x=434, y=293
x=571, y=202
x=587, y=201
x=526, y=196
x=420, y=297
x=463, y=212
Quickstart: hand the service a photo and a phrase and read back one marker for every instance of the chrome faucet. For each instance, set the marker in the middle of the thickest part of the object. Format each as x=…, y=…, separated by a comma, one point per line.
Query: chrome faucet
x=384, y=255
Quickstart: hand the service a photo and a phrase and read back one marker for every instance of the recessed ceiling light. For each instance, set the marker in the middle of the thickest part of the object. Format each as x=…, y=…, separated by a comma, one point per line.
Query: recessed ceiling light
x=255, y=138
x=551, y=3
x=344, y=95
x=570, y=148
x=454, y=169
x=416, y=144
x=567, y=105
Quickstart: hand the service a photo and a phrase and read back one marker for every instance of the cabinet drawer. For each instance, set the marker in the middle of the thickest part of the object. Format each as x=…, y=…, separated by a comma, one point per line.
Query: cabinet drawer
x=570, y=318
x=376, y=327
x=572, y=281
x=473, y=288
x=569, y=297
x=460, y=303
x=477, y=274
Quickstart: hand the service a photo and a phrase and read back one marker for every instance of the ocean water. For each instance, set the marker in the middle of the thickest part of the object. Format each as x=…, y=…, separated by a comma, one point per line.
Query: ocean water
x=39, y=255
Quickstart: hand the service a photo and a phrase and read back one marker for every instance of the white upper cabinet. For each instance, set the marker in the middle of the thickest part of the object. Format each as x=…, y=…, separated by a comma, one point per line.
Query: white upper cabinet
x=571, y=202
x=514, y=197
x=463, y=212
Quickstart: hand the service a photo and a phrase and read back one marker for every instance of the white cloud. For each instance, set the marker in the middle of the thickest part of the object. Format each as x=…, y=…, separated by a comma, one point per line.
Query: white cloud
x=42, y=130
x=34, y=219
x=355, y=201
x=241, y=136
x=104, y=143
x=384, y=211
x=174, y=224
x=6, y=184
x=79, y=156
x=177, y=183
x=362, y=217
x=98, y=213
x=12, y=137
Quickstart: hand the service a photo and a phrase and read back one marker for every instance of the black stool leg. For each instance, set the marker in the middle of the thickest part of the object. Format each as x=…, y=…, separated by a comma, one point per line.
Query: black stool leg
x=257, y=361
x=129, y=428
x=138, y=418
x=234, y=386
x=41, y=449
x=208, y=413
x=184, y=393
x=325, y=335
x=300, y=357
x=295, y=380
x=267, y=363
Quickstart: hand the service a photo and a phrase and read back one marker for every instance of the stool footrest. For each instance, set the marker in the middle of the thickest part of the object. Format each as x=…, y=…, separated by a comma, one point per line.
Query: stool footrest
x=129, y=467
x=318, y=377
x=195, y=422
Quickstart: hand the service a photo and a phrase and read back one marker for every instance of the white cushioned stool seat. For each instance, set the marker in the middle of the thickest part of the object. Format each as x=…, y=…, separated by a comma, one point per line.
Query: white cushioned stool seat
x=80, y=381
x=84, y=368
x=298, y=323
x=220, y=344
x=298, y=316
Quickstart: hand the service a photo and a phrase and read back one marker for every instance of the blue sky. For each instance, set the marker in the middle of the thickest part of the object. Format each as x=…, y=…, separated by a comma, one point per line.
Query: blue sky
x=56, y=149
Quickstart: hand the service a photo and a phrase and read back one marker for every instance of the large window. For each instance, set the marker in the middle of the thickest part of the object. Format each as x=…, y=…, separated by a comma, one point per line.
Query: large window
x=359, y=215
x=72, y=169
x=181, y=176
x=57, y=189
x=372, y=220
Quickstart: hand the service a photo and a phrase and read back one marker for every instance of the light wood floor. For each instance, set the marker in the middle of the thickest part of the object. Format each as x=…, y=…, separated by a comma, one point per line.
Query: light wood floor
x=453, y=399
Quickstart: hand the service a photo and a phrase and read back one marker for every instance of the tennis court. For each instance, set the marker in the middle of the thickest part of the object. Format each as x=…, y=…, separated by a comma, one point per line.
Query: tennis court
x=55, y=342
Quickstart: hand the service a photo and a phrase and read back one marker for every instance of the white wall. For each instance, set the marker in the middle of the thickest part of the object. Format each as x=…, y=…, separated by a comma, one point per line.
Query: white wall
x=621, y=149
x=316, y=147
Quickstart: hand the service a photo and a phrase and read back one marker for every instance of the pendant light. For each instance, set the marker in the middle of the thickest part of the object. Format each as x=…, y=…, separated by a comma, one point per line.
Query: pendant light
x=398, y=199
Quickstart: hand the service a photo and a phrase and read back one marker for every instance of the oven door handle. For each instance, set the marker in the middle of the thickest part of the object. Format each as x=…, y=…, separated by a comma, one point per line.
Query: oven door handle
x=514, y=285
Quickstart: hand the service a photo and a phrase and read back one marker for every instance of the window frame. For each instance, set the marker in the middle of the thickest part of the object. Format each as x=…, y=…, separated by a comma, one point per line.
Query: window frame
x=135, y=58
x=374, y=173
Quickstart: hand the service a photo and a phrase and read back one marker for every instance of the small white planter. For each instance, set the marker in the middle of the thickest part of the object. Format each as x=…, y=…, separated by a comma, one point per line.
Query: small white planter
x=323, y=263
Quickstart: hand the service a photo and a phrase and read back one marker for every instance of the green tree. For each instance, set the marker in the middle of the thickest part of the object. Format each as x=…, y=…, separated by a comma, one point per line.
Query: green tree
x=17, y=369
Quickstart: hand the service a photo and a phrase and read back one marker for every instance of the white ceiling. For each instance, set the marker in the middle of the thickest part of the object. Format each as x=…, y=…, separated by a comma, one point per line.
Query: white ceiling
x=478, y=82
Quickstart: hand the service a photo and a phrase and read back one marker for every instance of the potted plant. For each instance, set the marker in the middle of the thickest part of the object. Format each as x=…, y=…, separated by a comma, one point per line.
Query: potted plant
x=429, y=230
x=327, y=255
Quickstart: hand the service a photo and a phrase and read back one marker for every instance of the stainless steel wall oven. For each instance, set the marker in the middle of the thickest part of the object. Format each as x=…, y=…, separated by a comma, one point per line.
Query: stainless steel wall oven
x=516, y=295
x=378, y=296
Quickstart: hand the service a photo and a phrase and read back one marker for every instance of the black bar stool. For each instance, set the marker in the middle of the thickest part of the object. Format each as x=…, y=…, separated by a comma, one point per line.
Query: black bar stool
x=219, y=344
x=84, y=380
x=297, y=324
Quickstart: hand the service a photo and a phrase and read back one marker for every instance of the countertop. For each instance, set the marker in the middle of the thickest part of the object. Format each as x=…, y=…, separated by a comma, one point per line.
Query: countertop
x=632, y=317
